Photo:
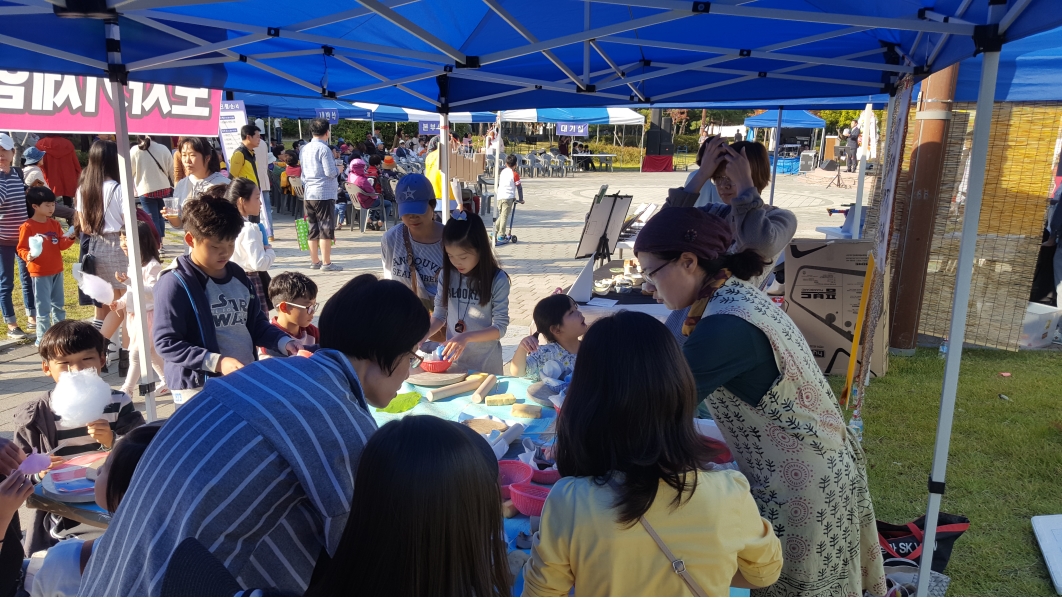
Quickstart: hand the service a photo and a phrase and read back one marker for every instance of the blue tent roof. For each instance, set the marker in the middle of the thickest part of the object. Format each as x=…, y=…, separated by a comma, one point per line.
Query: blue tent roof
x=591, y=116
x=791, y=119
x=270, y=106
x=471, y=55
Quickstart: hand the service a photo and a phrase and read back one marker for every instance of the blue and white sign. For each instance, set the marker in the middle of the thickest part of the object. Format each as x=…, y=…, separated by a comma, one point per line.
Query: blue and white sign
x=573, y=129
x=329, y=114
x=428, y=127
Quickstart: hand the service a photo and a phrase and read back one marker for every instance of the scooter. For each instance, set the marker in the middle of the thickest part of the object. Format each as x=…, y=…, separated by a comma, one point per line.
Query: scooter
x=509, y=238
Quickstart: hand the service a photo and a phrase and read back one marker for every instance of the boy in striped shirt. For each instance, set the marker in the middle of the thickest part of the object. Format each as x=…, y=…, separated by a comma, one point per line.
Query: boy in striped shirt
x=70, y=345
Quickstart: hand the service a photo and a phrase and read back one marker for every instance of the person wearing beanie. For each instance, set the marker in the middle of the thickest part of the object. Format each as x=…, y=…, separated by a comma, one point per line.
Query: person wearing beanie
x=760, y=383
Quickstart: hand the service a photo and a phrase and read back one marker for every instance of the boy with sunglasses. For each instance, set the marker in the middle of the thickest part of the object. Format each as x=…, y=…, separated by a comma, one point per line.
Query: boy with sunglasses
x=295, y=296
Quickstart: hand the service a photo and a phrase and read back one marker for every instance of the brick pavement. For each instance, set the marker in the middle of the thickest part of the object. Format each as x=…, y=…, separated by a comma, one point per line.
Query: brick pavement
x=548, y=227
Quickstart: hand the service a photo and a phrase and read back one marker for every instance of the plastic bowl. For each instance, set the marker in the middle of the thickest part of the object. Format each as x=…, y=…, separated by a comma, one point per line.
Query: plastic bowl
x=529, y=499
x=435, y=367
x=545, y=476
x=512, y=472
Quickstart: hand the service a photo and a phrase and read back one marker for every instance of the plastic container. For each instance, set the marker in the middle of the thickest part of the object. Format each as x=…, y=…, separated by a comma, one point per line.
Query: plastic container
x=512, y=472
x=435, y=367
x=545, y=476
x=529, y=499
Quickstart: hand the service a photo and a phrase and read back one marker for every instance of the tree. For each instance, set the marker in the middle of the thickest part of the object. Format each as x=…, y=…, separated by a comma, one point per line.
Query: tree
x=837, y=120
x=679, y=119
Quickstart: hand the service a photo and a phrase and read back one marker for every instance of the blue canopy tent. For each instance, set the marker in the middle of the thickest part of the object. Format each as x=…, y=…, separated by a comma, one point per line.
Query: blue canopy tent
x=791, y=119
x=590, y=116
x=271, y=106
x=506, y=54
x=394, y=114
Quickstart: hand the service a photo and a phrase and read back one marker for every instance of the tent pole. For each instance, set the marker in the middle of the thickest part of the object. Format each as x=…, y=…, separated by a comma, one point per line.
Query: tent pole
x=960, y=302
x=300, y=129
x=777, y=143
x=125, y=172
x=497, y=166
x=444, y=165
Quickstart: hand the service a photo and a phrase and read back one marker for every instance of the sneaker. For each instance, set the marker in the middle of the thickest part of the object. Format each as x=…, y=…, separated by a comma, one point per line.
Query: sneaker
x=271, y=239
x=315, y=265
x=16, y=334
x=332, y=268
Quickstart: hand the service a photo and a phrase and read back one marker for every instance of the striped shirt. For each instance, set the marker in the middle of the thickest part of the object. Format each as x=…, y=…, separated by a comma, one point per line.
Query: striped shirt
x=120, y=414
x=259, y=468
x=13, y=211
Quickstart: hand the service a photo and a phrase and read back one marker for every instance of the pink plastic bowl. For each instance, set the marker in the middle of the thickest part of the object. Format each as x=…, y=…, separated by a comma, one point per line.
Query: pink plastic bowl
x=529, y=499
x=512, y=472
x=545, y=476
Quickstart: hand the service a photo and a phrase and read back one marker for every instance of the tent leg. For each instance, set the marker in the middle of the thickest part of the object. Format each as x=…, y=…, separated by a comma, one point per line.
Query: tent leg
x=444, y=165
x=136, y=281
x=959, y=306
x=777, y=143
x=858, y=207
x=300, y=129
x=641, y=145
x=497, y=166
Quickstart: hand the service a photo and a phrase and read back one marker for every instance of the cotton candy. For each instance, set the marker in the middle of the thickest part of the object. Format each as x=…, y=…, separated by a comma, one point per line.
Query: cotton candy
x=36, y=246
x=35, y=463
x=80, y=397
x=97, y=288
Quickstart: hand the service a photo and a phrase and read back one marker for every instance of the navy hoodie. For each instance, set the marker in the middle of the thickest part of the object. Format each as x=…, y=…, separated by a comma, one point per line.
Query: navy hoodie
x=183, y=340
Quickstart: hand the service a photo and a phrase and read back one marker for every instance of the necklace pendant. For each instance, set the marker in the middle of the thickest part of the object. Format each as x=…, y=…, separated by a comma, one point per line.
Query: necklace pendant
x=459, y=327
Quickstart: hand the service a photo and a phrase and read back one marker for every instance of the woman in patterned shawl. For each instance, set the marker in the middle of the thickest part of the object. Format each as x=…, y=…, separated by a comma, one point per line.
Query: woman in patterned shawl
x=770, y=400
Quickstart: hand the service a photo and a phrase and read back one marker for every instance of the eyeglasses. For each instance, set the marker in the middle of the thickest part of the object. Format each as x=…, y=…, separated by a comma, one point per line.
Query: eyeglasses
x=648, y=276
x=310, y=309
x=723, y=182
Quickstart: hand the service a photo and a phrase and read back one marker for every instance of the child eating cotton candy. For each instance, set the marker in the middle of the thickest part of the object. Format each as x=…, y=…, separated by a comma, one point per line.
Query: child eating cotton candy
x=557, y=318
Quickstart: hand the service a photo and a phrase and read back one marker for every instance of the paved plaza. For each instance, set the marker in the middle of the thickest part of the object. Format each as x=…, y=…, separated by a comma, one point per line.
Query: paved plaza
x=548, y=227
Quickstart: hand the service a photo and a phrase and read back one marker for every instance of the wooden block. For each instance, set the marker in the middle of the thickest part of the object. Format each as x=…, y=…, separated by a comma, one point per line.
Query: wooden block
x=509, y=510
x=499, y=400
x=527, y=411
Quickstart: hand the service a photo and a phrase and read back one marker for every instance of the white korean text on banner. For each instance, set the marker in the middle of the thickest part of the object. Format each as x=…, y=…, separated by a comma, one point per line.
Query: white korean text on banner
x=573, y=129
x=329, y=114
x=49, y=103
x=428, y=127
x=233, y=118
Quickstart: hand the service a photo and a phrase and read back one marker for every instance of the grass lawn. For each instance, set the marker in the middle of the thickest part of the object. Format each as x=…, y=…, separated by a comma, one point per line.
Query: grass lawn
x=1005, y=464
x=73, y=310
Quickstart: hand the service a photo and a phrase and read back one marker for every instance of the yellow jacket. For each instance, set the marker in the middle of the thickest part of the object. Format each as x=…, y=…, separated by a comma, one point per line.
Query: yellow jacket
x=241, y=166
x=431, y=170
x=717, y=532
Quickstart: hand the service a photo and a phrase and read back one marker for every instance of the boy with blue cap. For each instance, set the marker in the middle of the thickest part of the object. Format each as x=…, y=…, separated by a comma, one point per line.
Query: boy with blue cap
x=415, y=244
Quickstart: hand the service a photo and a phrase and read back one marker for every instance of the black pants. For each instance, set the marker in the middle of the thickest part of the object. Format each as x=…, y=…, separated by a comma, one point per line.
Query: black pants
x=850, y=159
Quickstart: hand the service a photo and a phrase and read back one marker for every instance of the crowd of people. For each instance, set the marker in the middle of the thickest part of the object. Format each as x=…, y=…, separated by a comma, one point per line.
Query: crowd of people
x=273, y=469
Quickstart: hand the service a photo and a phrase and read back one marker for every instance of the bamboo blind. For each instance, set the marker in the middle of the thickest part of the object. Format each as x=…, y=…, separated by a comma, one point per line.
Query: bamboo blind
x=1021, y=159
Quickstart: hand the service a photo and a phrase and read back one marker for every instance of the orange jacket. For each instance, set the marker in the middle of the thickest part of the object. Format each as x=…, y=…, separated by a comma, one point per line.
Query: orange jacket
x=59, y=165
x=50, y=261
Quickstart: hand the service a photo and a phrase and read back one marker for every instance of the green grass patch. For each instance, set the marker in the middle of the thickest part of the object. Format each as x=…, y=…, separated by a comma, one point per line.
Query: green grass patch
x=1005, y=464
x=73, y=310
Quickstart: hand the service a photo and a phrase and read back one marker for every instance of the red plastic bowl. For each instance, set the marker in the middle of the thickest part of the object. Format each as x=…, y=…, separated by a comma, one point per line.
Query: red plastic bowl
x=435, y=367
x=529, y=499
x=545, y=476
x=512, y=472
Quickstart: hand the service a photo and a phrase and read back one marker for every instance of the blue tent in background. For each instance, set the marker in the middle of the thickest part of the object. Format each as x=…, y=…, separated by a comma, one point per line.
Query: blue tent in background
x=591, y=116
x=271, y=106
x=791, y=119
x=392, y=114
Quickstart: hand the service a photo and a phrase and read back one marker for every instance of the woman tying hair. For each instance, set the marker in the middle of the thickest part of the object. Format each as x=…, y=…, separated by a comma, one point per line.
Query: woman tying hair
x=633, y=465
x=771, y=402
x=738, y=173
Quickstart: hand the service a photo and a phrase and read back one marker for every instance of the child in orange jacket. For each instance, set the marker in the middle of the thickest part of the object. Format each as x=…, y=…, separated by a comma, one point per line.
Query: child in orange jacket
x=45, y=265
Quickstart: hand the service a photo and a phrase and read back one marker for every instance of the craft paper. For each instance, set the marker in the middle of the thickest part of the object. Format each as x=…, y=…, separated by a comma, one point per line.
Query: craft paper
x=80, y=397
x=402, y=403
x=602, y=302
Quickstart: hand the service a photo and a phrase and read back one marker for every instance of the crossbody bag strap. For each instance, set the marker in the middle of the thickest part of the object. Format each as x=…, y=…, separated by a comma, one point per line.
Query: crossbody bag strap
x=159, y=164
x=413, y=274
x=677, y=564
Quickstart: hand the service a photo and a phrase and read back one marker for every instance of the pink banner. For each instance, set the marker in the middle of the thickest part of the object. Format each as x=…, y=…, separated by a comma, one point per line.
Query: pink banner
x=47, y=103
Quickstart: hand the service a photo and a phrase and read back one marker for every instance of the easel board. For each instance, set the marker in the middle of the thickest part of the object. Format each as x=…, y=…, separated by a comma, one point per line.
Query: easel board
x=606, y=218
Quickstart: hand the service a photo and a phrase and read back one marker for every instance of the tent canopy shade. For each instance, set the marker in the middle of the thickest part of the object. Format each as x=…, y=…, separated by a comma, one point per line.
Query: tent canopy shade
x=271, y=106
x=506, y=54
x=592, y=116
x=392, y=114
x=791, y=119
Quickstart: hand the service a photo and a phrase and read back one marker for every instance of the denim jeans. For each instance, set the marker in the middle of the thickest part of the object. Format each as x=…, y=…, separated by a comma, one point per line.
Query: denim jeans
x=153, y=206
x=50, y=302
x=8, y=259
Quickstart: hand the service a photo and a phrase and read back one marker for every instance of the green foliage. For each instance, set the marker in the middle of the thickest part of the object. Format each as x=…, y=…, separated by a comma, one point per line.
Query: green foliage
x=349, y=130
x=837, y=120
x=1004, y=466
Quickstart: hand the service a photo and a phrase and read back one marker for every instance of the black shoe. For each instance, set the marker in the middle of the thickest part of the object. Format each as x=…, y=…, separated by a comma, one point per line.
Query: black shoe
x=123, y=362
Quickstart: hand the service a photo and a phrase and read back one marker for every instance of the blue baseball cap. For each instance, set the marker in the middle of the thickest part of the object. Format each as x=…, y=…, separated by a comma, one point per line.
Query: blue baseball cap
x=413, y=193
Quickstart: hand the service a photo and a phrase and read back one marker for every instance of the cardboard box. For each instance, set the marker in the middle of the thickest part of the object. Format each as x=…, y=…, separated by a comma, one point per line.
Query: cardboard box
x=823, y=286
x=1038, y=327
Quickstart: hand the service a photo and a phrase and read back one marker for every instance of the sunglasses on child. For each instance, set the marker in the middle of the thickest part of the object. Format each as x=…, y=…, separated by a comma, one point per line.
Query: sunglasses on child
x=310, y=309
